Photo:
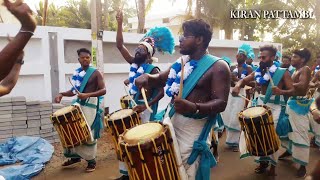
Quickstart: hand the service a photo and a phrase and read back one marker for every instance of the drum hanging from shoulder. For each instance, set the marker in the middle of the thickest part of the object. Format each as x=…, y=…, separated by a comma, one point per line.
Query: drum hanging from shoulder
x=149, y=152
x=118, y=122
x=125, y=102
x=71, y=126
x=260, y=135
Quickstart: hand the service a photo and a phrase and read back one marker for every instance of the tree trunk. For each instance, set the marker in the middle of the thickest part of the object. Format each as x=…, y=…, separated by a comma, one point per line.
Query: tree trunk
x=45, y=11
x=228, y=33
x=106, y=15
x=198, y=9
x=141, y=16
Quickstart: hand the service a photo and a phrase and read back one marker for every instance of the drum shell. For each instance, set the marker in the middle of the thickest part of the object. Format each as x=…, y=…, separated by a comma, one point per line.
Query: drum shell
x=263, y=129
x=150, y=157
x=118, y=126
x=73, y=124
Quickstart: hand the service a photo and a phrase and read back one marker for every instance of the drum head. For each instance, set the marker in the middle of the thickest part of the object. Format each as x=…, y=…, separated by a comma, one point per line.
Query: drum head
x=126, y=98
x=64, y=110
x=121, y=114
x=142, y=133
x=254, y=112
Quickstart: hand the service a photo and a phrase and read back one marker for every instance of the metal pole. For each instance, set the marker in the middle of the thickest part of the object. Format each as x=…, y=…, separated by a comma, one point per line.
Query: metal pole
x=97, y=37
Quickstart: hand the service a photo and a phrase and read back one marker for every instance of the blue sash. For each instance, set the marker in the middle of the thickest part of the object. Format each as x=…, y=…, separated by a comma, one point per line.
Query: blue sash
x=155, y=91
x=97, y=124
x=200, y=147
x=276, y=80
x=283, y=126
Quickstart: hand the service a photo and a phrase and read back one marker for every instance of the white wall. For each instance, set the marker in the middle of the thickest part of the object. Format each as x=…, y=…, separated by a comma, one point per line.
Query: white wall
x=35, y=81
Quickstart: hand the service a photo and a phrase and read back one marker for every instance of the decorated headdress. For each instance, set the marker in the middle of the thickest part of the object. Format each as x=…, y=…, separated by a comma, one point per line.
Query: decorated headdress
x=160, y=39
x=245, y=49
x=251, y=55
x=228, y=60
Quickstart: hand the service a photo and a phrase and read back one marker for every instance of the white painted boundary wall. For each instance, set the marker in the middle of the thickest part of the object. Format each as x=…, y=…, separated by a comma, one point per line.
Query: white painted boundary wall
x=35, y=81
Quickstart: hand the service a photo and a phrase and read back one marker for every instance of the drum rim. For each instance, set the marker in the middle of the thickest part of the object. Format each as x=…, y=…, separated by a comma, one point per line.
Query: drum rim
x=123, y=143
x=74, y=106
x=109, y=117
x=264, y=106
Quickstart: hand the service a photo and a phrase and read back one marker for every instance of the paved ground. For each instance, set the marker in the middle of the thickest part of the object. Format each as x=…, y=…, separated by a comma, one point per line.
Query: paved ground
x=229, y=168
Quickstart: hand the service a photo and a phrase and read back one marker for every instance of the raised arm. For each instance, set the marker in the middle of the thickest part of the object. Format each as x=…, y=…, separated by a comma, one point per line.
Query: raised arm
x=8, y=83
x=10, y=53
x=119, y=39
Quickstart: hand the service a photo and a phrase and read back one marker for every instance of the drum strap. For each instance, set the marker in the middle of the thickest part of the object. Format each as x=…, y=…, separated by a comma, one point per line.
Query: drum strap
x=276, y=80
x=97, y=124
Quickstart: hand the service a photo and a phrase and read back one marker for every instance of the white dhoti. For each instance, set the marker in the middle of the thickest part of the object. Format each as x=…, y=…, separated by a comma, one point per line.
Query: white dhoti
x=315, y=129
x=276, y=109
x=86, y=151
x=145, y=116
x=186, y=130
x=231, y=121
x=298, y=143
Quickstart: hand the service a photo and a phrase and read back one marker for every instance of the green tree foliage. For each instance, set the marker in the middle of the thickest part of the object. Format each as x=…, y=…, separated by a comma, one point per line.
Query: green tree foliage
x=76, y=14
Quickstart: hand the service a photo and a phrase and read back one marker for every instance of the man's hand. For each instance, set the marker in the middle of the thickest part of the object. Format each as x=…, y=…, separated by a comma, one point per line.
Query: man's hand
x=58, y=98
x=126, y=82
x=235, y=91
x=119, y=17
x=83, y=96
x=23, y=13
x=142, y=81
x=183, y=106
x=140, y=108
x=276, y=90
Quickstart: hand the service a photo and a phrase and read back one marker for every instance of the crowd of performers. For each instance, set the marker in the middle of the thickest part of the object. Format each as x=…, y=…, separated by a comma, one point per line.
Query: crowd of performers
x=208, y=94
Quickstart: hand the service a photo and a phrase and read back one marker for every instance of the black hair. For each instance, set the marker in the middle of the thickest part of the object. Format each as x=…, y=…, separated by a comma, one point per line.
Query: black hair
x=272, y=50
x=303, y=53
x=85, y=50
x=286, y=56
x=198, y=27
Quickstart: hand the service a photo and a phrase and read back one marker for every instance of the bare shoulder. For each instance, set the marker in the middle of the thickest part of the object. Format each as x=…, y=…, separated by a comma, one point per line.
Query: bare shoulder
x=307, y=69
x=220, y=68
x=97, y=74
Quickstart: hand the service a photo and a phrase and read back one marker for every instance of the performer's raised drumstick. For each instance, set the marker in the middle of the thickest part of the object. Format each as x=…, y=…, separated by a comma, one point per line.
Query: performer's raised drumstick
x=143, y=92
x=73, y=86
x=181, y=79
x=134, y=102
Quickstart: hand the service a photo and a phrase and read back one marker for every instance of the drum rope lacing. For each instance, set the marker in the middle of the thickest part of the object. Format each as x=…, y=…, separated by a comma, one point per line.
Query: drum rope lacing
x=253, y=142
x=169, y=159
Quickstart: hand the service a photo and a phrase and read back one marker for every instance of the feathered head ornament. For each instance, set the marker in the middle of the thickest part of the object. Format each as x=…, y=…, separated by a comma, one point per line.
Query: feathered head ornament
x=245, y=49
x=160, y=39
